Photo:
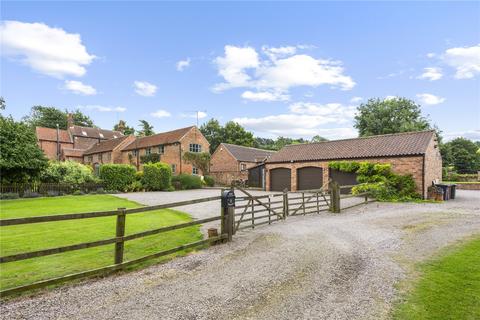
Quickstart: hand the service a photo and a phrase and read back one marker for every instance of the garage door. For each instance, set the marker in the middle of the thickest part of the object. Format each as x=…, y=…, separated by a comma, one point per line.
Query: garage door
x=280, y=179
x=343, y=179
x=309, y=178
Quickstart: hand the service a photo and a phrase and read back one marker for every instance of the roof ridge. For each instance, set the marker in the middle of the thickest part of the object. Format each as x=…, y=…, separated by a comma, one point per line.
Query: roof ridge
x=368, y=137
x=164, y=132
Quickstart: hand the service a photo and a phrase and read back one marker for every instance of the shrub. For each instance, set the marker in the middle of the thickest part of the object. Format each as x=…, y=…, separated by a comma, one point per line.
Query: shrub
x=139, y=175
x=157, y=176
x=70, y=172
x=30, y=194
x=78, y=193
x=135, y=186
x=117, y=177
x=186, y=182
x=9, y=196
x=100, y=191
x=209, y=181
x=150, y=158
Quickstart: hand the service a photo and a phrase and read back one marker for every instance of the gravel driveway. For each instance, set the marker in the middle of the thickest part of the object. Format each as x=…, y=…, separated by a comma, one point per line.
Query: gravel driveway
x=323, y=266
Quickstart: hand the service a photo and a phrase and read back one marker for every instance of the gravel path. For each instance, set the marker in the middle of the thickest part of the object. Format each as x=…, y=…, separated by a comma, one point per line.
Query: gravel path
x=314, y=267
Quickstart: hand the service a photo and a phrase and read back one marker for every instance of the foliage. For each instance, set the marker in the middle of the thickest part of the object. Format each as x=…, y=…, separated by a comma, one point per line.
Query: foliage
x=117, y=177
x=147, y=129
x=280, y=142
x=232, y=133
x=448, y=288
x=157, y=176
x=48, y=235
x=150, y=158
x=20, y=157
x=9, y=195
x=379, y=180
x=2, y=103
x=49, y=117
x=318, y=139
x=384, y=116
x=139, y=175
x=200, y=160
x=462, y=154
x=70, y=172
x=78, y=193
x=123, y=128
x=186, y=182
x=209, y=181
x=458, y=177
x=135, y=186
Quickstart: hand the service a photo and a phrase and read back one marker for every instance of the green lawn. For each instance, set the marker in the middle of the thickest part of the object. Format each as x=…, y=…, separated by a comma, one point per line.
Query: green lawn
x=449, y=287
x=25, y=238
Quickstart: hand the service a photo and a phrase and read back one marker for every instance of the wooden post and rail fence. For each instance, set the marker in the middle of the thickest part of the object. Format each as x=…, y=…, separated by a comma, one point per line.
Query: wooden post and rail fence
x=245, y=209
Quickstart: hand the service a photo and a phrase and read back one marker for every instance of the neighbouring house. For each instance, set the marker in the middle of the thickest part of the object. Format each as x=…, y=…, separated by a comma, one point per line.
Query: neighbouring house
x=70, y=144
x=171, y=146
x=108, y=151
x=305, y=166
x=230, y=163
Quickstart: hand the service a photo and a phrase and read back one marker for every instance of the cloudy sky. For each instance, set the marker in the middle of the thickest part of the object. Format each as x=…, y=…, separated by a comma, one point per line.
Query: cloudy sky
x=291, y=69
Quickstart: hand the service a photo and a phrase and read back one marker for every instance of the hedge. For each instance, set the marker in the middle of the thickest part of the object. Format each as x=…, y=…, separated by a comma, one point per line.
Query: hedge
x=186, y=182
x=117, y=177
x=157, y=176
x=209, y=181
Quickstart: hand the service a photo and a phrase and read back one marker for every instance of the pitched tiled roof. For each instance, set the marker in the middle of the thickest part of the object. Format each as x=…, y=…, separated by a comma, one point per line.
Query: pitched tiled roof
x=158, y=139
x=51, y=134
x=96, y=133
x=70, y=152
x=390, y=145
x=247, y=154
x=105, y=146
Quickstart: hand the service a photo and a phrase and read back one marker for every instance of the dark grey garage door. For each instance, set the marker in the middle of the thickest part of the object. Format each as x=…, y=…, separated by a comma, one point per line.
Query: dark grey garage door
x=309, y=178
x=343, y=179
x=280, y=179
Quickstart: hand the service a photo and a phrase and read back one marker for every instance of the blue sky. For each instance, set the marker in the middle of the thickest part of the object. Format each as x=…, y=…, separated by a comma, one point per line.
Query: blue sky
x=291, y=69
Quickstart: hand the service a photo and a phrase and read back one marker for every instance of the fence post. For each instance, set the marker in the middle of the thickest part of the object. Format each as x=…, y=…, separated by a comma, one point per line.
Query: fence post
x=334, y=197
x=228, y=221
x=303, y=201
x=285, y=205
x=366, y=197
x=253, y=215
x=222, y=214
x=120, y=233
x=269, y=211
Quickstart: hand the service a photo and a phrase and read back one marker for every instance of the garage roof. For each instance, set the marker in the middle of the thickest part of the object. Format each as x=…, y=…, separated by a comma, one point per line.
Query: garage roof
x=389, y=145
x=247, y=154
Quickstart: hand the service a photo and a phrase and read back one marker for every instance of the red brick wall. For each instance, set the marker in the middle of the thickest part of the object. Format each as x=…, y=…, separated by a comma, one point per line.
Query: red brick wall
x=401, y=165
x=49, y=148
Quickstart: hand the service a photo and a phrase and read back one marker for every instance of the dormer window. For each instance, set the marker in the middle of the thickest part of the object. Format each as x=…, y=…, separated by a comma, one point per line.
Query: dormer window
x=84, y=133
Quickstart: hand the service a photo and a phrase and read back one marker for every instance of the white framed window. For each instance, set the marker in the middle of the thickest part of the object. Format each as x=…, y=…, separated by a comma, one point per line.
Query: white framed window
x=195, y=147
x=135, y=153
x=100, y=157
x=174, y=168
x=194, y=171
x=243, y=166
x=148, y=151
x=161, y=149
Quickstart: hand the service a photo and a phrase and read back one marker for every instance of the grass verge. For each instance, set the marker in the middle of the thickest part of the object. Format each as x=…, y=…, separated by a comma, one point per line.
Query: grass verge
x=38, y=236
x=448, y=287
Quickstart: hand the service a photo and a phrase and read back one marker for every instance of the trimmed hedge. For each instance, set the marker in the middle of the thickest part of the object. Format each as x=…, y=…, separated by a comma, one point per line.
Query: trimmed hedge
x=209, y=181
x=186, y=182
x=117, y=177
x=157, y=176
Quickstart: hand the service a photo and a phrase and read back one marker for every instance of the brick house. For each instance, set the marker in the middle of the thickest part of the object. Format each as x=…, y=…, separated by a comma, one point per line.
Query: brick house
x=230, y=162
x=171, y=146
x=108, y=151
x=305, y=166
x=70, y=144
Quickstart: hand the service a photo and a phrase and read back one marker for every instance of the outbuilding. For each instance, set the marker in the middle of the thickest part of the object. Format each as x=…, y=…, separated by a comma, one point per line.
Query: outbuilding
x=305, y=166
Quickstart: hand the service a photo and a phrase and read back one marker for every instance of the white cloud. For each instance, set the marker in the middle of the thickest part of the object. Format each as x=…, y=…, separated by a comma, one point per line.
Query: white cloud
x=468, y=134
x=160, y=114
x=431, y=74
x=265, y=96
x=466, y=60
x=280, y=71
x=356, y=99
x=429, y=99
x=305, y=119
x=100, y=108
x=50, y=51
x=183, y=64
x=200, y=114
x=78, y=87
x=431, y=55
x=144, y=88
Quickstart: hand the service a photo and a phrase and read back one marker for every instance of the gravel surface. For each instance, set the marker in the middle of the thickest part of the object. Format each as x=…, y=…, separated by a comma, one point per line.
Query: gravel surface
x=310, y=267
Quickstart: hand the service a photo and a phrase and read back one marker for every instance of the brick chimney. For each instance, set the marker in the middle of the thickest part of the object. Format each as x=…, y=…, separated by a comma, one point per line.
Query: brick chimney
x=69, y=120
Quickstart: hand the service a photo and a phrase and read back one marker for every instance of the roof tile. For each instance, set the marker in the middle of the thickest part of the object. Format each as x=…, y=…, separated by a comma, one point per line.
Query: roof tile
x=247, y=154
x=158, y=139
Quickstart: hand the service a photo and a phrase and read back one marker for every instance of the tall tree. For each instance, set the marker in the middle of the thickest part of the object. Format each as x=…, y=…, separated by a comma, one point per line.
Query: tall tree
x=2, y=103
x=464, y=155
x=383, y=116
x=147, y=129
x=49, y=117
x=20, y=157
x=213, y=132
x=123, y=128
x=318, y=138
x=234, y=133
